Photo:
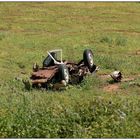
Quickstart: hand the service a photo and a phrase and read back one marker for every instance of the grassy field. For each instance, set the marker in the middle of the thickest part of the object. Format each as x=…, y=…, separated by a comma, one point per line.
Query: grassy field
x=97, y=108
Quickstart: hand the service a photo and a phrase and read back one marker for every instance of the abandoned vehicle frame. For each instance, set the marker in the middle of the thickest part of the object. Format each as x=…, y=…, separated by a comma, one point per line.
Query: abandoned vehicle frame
x=59, y=73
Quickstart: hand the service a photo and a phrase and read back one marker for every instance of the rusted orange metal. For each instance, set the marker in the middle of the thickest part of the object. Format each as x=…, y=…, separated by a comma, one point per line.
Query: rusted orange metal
x=51, y=73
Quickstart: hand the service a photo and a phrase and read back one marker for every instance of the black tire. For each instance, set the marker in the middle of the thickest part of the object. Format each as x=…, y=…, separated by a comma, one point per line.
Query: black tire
x=88, y=58
x=64, y=73
x=48, y=61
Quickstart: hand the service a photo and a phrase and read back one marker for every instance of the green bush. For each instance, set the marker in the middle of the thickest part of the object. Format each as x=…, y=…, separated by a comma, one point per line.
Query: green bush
x=2, y=36
x=117, y=40
x=106, y=39
x=121, y=41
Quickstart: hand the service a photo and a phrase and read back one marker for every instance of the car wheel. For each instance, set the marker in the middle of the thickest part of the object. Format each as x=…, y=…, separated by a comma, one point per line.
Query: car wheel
x=64, y=73
x=48, y=61
x=88, y=58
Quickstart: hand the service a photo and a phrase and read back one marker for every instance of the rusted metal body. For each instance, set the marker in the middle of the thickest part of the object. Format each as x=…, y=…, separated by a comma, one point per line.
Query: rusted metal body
x=76, y=71
x=43, y=77
x=43, y=74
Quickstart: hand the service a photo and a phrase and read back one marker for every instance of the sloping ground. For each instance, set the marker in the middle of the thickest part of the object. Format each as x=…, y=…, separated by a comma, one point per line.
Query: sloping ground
x=111, y=30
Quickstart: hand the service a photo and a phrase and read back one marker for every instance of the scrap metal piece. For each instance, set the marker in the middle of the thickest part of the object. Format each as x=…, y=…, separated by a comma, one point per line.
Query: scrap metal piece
x=35, y=67
x=116, y=75
x=47, y=73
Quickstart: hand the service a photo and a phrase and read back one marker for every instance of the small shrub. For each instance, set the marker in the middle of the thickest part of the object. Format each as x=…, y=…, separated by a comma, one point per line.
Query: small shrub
x=90, y=82
x=106, y=39
x=112, y=63
x=120, y=41
x=2, y=36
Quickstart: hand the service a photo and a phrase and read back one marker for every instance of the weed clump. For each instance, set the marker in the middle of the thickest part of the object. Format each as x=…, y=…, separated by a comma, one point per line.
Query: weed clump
x=111, y=41
x=106, y=39
x=121, y=41
x=2, y=36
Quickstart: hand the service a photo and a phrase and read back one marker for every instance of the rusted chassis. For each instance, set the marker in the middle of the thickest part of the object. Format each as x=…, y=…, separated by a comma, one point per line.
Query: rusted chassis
x=47, y=76
x=62, y=72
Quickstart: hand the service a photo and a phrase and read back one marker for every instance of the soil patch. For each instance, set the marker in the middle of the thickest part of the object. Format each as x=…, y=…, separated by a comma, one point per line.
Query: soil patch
x=138, y=52
x=111, y=87
x=125, y=31
x=104, y=76
x=128, y=79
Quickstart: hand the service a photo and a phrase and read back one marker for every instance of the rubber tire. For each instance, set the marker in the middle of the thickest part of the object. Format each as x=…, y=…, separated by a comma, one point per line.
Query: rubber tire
x=48, y=61
x=64, y=73
x=88, y=58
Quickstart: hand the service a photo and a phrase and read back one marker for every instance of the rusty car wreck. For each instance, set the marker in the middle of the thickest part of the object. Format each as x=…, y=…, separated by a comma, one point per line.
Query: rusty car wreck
x=60, y=73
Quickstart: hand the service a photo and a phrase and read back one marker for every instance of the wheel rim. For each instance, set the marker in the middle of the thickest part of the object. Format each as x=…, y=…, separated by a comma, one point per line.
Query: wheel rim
x=66, y=75
x=90, y=59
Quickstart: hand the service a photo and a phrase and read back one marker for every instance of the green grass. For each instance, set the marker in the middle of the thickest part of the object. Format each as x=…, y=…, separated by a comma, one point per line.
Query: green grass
x=29, y=30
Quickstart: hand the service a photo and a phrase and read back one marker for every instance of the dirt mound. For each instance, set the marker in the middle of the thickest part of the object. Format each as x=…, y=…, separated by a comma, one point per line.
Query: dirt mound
x=111, y=87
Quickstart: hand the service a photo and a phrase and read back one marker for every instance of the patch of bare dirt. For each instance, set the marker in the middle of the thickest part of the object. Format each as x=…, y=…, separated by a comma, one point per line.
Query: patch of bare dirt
x=128, y=79
x=104, y=76
x=124, y=31
x=111, y=87
x=138, y=52
x=124, y=79
x=115, y=86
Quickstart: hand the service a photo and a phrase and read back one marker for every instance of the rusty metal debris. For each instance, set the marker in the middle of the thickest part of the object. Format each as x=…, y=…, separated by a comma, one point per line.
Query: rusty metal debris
x=117, y=76
x=58, y=73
